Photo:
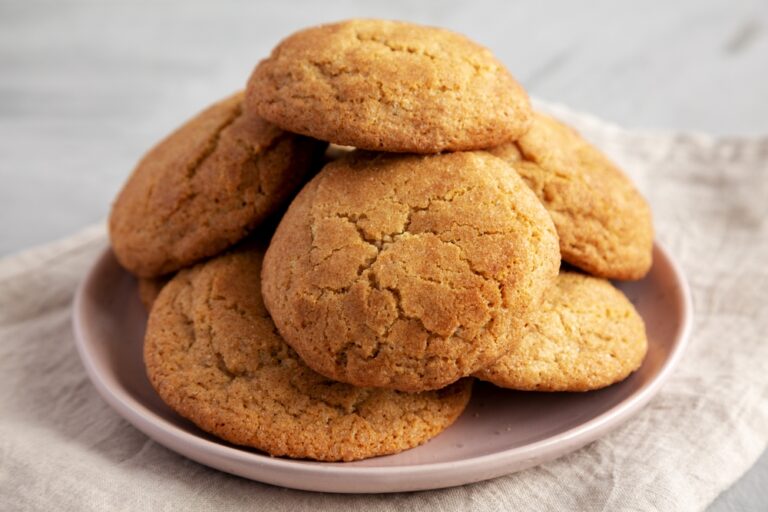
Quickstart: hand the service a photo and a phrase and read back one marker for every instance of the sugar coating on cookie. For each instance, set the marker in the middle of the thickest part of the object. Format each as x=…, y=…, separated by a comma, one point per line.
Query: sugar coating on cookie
x=585, y=336
x=389, y=86
x=214, y=355
x=205, y=187
x=603, y=222
x=406, y=271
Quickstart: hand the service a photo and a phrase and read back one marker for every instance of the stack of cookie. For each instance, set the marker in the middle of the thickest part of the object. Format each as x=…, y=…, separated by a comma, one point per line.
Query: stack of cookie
x=425, y=251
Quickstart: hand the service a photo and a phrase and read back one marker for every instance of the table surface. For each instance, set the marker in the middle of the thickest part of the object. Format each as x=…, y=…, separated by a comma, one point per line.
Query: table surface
x=87, y=86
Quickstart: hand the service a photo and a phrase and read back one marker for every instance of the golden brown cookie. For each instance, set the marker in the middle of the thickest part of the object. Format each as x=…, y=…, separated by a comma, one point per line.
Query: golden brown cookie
x=603, y=222
x=214, y=355
x=205, y=187
x=389, y=86
x=585, y=336
x=149, y=289
x=406, y=271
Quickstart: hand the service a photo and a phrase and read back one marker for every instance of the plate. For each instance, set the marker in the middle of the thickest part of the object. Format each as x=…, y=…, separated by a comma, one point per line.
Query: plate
x=501, y=431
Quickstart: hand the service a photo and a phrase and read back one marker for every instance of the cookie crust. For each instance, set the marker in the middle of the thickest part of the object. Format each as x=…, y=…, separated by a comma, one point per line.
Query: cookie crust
x=408, y=272
x=389, y=86
x=206, y=186
x=214, y=355
x=603, y=222
x=586, y=335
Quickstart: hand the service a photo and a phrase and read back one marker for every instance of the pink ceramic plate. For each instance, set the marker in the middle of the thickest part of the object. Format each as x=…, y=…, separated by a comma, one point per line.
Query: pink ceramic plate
x=501, y=431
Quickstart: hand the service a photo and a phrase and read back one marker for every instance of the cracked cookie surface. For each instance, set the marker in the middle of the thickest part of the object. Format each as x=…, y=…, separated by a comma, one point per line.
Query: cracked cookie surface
x=389, y=86
x=205, y=187
x=406, y=271
x=213, y=354
x=603, y=222
x=586, y=335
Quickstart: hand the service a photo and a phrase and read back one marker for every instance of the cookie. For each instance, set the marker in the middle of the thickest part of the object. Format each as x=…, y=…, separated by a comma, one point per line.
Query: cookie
x=603, y=222
x=585, y=336
x=406, y=271
x=214, y=355
x=205, y=187
x=149, y=289
x=389, y=86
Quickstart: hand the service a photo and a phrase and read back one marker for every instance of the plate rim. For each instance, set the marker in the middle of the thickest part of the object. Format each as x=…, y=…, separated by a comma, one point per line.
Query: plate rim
x=373, y=479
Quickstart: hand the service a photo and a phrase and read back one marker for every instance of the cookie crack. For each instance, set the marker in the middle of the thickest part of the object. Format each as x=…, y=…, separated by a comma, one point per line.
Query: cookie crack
x=339, y=408
x=446, y=198
x=386, y=241
x=395, y=47
x=220, y=362
x=421, y=217
x=181, y=311
x=213, y=142
x=330, y=71
x=352, y=219
x=222, y=366
x=555, y=204
x=193, y=166
x=401, y=313
x=255, y=154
